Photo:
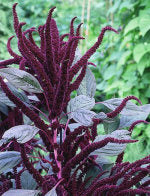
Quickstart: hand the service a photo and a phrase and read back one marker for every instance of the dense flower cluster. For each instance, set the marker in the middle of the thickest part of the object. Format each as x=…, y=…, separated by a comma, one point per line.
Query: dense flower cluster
x=69, y=160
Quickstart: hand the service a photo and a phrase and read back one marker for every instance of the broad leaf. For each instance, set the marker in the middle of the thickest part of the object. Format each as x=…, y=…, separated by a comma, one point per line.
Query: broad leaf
x=131, y=25
x=112, y=149
x=84, y=117
x=22, y=133
x=27, y=181
x=80, y=102
x=21, y=192
x=8, y=160
x=88, y=85
x=21, y=79
x=52, y=192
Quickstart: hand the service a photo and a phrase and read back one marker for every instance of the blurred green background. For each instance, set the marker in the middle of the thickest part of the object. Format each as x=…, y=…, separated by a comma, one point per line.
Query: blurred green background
x=123, y=65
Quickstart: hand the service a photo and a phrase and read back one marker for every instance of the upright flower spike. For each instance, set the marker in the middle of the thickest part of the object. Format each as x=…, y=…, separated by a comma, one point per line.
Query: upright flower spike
x=55, y=42
x=72, y=27
x=36, y=66
x=62, y=88
x=49, y=51
x=42, y=36
x=15, y=17
x=78, y=29
x=31, y=37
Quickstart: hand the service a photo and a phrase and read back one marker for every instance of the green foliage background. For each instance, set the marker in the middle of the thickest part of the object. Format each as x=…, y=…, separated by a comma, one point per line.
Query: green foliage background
x=123, y=65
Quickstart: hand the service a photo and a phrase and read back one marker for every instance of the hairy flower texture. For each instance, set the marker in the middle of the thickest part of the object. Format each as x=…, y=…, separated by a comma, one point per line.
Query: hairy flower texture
x=121, y=106
x=123, y=170
x=6, y=185
x=87, y=150
x=51, y=63
x=135, y=123
x=17, y=178
x=22, y=64
x=11, y=52
x=36, y=175
x=42, y=36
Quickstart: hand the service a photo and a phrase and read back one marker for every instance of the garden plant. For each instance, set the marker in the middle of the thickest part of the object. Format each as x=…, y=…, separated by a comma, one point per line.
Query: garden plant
x=51, y=141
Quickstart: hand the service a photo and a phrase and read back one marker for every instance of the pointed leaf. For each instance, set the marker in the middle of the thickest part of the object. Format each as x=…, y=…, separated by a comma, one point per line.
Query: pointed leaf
x=21, y=192
x=8, y=160
x=21, y=79
x=88, y=84
x=84, y=117
x=80, y=102
x=22, y=133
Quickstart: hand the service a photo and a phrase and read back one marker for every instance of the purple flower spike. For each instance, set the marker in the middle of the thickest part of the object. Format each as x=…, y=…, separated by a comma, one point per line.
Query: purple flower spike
x=11, y=52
